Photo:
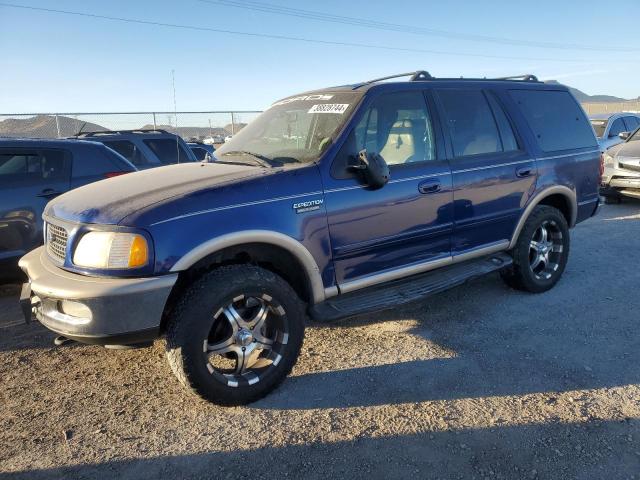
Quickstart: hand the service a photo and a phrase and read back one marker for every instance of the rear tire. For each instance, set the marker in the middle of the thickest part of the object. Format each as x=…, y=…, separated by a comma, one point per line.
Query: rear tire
x=541, y=252
x=235, y=334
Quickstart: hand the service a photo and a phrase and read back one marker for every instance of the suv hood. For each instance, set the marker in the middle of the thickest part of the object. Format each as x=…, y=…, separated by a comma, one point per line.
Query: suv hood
x=109, y=201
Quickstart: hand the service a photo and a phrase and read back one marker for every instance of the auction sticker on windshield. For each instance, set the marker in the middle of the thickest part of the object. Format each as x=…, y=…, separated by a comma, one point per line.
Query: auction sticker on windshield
x=329, y=108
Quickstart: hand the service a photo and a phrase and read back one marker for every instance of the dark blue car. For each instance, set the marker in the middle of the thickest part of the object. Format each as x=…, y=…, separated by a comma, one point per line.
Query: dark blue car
x=32, y=172
x=330, y=204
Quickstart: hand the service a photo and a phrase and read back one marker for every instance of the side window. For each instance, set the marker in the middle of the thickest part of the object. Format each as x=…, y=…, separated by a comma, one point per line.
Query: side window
x=471, y=123
x=398, y=127
x=556, y=119
x=167, y=150
x=32, y=167
x=509, y=143
x=129, y=151
x=91, y=160
x=631, y=123
x=200, y=153
x=617, y=127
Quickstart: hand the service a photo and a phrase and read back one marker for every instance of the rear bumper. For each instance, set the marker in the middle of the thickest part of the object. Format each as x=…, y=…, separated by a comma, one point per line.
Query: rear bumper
x=104, y=311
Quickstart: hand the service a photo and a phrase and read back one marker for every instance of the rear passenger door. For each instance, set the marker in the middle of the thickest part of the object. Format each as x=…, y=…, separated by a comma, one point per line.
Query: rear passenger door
x=29, y=178
x=493, y=176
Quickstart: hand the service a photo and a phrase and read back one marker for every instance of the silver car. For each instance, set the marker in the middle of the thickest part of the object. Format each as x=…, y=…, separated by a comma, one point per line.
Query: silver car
x=609, y=127
x=621, y=176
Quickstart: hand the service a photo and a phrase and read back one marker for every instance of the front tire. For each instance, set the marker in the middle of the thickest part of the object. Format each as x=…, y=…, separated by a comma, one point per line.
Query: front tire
x=235, y=334
x=541, y=252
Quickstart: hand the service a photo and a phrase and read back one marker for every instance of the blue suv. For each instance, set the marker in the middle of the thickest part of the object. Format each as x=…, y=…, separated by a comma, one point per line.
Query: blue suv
x=32, y=172
x=329, y=204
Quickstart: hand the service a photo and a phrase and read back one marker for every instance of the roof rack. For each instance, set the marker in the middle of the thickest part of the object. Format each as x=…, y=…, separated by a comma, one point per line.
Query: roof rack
x=422, y=75
x=414, y=76
x=118, y=132
x=527, y=77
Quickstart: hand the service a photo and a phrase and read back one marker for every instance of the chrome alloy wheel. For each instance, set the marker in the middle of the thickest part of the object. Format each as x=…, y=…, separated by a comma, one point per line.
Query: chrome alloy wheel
x=246, y=340
x=545, y=250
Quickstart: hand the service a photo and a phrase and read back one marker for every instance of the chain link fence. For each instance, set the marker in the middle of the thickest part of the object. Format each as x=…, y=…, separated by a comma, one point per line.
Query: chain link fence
x=211, y=126
x=203, y=126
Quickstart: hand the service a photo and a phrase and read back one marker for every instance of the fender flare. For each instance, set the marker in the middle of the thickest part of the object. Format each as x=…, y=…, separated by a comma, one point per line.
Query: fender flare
x=556, y=189
x=293, y=246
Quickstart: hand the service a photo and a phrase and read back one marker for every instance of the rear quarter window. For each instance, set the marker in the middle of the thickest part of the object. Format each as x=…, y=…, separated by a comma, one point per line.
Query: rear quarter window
x=556, y=119
x=168, y=150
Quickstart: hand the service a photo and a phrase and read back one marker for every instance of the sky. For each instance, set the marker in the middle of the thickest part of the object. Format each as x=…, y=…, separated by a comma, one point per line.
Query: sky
x=55, y=62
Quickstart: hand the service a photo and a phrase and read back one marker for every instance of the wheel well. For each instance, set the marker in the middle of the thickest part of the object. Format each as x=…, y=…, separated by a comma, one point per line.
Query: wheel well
x=268, y=256
x=561, y=202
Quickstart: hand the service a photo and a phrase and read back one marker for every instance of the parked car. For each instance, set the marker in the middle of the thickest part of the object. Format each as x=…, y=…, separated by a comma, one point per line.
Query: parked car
x=621, y=177
x=612, y=128
x=202, y=151
x=144, y=148
x=32, y=172
x=227, y=138
x=389, y=192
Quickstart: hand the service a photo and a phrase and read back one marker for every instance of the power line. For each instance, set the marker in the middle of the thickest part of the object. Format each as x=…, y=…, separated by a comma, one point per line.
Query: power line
x=285, y=37
x=395, y=27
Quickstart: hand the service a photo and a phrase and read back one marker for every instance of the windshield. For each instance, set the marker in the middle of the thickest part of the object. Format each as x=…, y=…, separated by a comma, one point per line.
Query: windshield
x=294, y=130
x=599, y=126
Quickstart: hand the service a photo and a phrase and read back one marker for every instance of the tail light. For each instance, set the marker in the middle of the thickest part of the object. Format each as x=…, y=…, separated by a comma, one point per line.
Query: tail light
x=113, y=174
x=601, y=172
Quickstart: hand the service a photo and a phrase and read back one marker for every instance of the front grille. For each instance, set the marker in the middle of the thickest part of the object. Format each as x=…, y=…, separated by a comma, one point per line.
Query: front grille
x=56, y=242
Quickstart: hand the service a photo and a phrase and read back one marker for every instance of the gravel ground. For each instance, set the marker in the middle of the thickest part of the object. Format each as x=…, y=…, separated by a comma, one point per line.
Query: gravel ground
x=478, y=382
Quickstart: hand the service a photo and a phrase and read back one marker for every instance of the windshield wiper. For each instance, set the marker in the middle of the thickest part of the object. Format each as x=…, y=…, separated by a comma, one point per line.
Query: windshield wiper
x=260, y=159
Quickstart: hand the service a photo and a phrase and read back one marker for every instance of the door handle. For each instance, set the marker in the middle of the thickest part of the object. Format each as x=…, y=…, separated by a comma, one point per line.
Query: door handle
x=524, y=172
x=430, y=187
x=49, y=193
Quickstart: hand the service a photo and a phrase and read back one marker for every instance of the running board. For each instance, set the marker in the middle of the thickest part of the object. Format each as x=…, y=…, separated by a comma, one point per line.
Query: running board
x=406, y=290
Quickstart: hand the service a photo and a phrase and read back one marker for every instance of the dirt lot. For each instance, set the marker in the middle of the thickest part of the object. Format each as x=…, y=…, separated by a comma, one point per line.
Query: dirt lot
x=479, y=382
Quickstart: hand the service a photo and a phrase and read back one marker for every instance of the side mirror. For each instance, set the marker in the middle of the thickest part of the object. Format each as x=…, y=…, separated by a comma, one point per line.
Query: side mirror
x=624, y=135
x=373, y=169
x=208, y=158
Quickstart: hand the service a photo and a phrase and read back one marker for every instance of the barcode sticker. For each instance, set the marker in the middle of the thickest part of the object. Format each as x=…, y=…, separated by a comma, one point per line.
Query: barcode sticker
x=329, y=108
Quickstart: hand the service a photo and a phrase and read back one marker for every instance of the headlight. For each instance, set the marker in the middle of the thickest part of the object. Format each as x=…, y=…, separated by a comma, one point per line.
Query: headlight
x=608, y=160
x=111, y=250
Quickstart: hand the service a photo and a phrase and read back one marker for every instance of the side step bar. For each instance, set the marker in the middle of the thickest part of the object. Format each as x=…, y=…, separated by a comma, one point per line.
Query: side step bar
x=408, y=289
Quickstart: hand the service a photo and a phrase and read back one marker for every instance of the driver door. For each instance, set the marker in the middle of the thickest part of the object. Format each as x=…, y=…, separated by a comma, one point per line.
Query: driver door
x=405, y=226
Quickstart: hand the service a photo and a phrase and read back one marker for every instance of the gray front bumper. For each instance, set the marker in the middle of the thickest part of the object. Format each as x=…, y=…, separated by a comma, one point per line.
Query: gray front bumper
x=122, y=310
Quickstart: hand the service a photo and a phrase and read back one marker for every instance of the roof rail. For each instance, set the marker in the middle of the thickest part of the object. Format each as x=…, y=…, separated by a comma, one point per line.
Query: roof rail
x=527, y=77
x=118, y=132
x=413, y=77
x=422, y=75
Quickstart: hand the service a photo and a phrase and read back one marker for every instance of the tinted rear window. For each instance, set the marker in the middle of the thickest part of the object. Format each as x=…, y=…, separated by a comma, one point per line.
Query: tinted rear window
x=555, y=118
x=129, y=151
x=200, y=153
x=167, y=150
x=471, y=123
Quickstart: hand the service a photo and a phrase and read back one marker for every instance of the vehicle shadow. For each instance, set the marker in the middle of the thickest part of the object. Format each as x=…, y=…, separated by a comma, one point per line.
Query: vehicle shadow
x=500, y=349
x=551, y=451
